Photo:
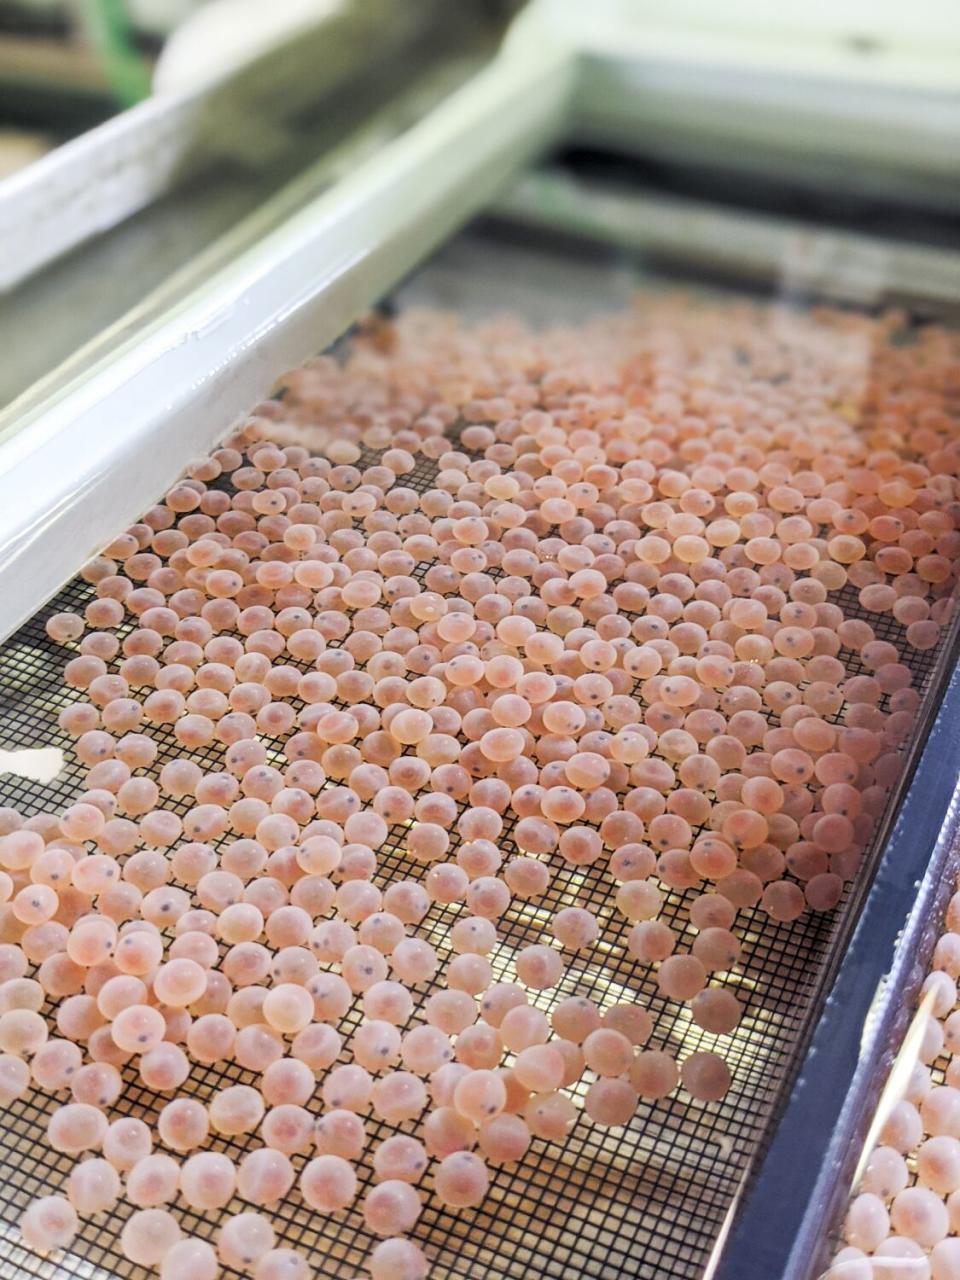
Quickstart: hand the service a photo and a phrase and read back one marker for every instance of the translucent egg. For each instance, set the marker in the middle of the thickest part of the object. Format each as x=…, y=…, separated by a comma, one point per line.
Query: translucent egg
x=93, y=1187
x=244, y=1239
x=148, y=1235
x=391, y=1208
x=328, y=1184
x=189, y=1257
x=207, y=1180
x=49, y=1223
x=398, y=1259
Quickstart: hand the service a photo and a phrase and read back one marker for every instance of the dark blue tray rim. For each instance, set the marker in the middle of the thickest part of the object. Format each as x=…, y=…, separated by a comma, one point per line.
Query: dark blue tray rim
x=793, y=1198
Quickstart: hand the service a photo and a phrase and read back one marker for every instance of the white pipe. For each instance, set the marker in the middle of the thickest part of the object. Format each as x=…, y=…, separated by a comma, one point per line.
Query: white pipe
x=81, y=467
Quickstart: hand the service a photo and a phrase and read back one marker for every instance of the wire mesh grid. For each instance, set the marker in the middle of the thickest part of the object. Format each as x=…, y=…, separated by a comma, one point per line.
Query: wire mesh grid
x=646, y=1201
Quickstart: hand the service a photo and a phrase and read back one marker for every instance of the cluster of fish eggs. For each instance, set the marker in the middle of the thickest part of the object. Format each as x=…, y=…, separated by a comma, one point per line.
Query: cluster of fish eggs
x=604, y=636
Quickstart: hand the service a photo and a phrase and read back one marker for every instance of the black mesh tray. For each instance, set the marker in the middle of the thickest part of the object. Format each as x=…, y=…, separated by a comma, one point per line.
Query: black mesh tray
x=648, y=1201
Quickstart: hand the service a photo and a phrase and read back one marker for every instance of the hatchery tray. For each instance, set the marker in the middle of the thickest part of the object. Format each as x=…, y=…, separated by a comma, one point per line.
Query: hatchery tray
x=652, y=1201
x=646, y=1202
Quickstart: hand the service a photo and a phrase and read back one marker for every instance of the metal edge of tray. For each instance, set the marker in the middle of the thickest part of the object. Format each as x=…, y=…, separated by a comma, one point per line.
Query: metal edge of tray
x=98, y=179
x=783, y=1222
x=879, y=116
x=798, y=258
x=94, y=456
x=884, y=139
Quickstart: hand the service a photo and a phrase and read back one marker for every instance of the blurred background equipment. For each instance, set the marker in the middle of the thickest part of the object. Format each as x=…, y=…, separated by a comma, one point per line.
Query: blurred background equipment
x=156, y=196
x=66, y=65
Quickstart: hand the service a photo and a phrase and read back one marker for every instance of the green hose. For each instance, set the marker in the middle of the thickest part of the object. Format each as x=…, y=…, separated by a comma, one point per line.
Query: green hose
x=109, y=30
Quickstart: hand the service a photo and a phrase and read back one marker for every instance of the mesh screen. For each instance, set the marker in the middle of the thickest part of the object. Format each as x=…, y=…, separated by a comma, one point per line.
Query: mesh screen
x=645, y=1201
